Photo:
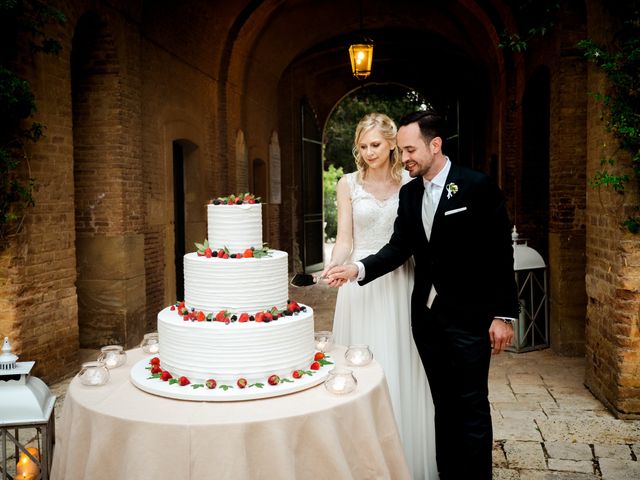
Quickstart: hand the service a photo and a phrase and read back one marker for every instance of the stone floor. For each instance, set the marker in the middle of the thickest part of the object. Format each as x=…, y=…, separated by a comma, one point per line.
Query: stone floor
x=547, y=425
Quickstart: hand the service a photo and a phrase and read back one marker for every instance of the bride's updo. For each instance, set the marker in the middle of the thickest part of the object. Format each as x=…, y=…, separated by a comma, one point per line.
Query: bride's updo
x=389, y=131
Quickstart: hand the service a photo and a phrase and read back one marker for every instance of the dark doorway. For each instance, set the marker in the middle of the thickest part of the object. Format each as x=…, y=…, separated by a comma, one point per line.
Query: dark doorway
x=312, y=254
x=535, y=161
x=179, y=216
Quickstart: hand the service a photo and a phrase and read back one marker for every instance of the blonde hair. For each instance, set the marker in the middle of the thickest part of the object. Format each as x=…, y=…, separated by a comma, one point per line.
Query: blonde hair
x=389, y=131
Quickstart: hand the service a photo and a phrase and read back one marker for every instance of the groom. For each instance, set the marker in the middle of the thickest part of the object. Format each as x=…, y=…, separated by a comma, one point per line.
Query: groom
x=454, y=222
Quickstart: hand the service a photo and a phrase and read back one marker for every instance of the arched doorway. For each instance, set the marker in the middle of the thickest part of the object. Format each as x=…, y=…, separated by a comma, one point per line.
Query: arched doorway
x=188, y=211
x=392, y=99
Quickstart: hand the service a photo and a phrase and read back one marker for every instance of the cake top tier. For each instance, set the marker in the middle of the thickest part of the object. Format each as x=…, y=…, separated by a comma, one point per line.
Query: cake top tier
x=236, y=226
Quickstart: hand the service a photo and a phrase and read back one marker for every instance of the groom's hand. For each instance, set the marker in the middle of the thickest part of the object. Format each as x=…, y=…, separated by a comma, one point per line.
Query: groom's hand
x=341, y=274
x=501, y=335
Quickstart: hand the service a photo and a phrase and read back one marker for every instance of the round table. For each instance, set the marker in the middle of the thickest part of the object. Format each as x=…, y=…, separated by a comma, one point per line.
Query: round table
x=118, y=431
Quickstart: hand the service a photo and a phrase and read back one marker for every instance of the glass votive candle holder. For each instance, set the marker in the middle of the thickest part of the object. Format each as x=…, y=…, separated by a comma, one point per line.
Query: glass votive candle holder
x=150, y=343
x=324, y=340
x=358, y=355
x=93, y=373
x=340, y=381
x=113, y=356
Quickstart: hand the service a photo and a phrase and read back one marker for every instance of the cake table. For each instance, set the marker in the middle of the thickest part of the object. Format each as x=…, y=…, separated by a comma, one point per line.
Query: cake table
x=120, y=431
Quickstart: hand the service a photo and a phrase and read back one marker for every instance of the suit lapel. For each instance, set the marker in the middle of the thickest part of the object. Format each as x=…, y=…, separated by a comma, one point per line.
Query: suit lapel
x=416, y=196
x=446, y=203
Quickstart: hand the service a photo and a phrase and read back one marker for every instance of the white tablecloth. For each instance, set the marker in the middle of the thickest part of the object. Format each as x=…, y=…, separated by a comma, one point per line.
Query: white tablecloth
x=117, y=431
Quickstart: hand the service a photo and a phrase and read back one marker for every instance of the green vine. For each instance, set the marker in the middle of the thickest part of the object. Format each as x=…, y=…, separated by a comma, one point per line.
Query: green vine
x=620, y=62
x=534, y=18
x=19, y=19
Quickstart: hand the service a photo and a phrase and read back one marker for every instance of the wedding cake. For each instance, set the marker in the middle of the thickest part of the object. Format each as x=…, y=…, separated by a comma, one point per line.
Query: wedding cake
x=236, y=325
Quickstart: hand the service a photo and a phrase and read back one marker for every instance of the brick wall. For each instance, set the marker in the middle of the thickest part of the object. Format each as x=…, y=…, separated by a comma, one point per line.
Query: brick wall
x=37, y=271
x=178, y=101
x=567, y=185
x=613, y=260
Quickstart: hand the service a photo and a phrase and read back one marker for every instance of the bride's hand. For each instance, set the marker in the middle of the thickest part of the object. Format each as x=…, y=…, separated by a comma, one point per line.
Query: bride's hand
x=324, y=272
x=339, y=275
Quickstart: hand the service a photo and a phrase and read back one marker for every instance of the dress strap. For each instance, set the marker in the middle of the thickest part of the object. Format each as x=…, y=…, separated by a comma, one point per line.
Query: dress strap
x=354, y=185
x=351, y=180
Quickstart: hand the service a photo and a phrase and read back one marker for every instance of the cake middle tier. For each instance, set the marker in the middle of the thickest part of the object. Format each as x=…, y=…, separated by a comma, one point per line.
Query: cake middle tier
x=236, y=284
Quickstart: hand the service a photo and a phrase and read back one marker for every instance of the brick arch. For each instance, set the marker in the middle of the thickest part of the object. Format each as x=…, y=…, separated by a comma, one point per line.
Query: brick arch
x=109, y=267
x=266, y=42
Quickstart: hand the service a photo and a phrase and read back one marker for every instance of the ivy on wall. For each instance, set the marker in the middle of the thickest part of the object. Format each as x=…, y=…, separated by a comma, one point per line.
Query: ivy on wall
x=620, y=62
x=534, y=18
x=19, y=19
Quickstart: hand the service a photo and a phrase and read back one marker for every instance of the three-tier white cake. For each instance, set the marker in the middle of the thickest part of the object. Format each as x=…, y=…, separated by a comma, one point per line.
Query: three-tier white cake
x=235, y=321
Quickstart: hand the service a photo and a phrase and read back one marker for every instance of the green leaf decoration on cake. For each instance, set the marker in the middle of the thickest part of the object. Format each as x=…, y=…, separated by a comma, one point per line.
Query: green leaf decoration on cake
x=225, y=387
x=201, y=247
x=284, y=379
x=259, y=385
x=261, y=252
x=197, y=385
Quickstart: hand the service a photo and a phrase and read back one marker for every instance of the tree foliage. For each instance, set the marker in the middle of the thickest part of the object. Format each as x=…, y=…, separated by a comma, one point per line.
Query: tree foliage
x=329, y=181
x=394, y=101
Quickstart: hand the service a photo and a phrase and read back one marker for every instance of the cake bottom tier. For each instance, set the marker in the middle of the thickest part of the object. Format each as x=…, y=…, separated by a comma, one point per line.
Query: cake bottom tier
x=226, y=352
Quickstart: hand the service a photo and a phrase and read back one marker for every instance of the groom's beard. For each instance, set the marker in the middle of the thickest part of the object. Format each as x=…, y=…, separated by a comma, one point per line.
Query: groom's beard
x=413, y=174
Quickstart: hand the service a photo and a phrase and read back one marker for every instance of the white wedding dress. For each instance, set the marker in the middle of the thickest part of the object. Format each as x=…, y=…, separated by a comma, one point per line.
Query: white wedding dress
x=379, y=315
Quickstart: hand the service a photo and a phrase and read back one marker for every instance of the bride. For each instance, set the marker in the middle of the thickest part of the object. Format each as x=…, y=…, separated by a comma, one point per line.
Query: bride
x=378, y=314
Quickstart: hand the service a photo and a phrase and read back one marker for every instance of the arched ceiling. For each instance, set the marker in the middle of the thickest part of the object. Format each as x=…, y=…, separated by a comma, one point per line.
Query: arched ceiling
x=429, y=45
x=248, y=45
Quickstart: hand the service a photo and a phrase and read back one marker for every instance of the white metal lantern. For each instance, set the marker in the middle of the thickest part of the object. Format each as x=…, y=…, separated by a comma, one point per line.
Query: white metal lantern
x=26, y=404
x=531, y=329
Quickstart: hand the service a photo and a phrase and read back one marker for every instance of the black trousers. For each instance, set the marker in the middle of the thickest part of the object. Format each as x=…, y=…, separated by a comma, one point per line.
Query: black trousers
x=456, y=355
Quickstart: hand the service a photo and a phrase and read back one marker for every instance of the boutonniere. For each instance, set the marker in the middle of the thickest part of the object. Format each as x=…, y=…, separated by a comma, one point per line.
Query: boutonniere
x=452, y=189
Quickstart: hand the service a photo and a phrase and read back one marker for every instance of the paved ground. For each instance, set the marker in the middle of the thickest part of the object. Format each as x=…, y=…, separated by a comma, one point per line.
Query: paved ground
x=547, y=425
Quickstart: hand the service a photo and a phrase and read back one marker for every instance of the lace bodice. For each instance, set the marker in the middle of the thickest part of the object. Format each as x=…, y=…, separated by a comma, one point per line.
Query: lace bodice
x=372, y=218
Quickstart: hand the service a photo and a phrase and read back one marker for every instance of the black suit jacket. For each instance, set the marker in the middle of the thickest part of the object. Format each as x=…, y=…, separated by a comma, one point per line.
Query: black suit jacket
x=469, y=258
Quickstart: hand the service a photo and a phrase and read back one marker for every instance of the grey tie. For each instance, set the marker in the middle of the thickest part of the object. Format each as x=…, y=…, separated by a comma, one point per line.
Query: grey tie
x=428, y=211
x=428, y=208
